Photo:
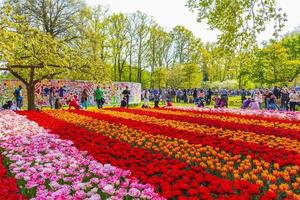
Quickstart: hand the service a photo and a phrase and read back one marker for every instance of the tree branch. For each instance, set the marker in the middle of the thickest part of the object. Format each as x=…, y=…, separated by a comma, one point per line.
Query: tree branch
x=18, y=77
x=48, y=76
x=25, y=66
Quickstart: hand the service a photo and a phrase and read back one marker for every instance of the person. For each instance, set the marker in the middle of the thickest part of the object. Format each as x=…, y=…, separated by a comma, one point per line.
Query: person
x=8, y=105
x=51, y=97
x=84, y=98
x=219, y=103
x=195, y=93
x=267, y=96
x=201, y=95
x=19, y=97
x=200, y=102
x=208, y=96
x=253, y=92
x=254, y=105
x=146, y=99
x=243, y=95
x=258, y=98
x=173, y=94
x=126, y=94
x=246, y=103
x=169, y=104
x=61, y=91
x=164, y=96
x=98, y=95
x=185, y=96
x=124, y=102
x=156, y=101
x=284, y=99
x=294, y=99
x=57, y=104
x=46, y=91
x=224, y=97
x=276, y=92
x=14, y=107
x=74, y=103
x=169, y=96
x=178, y=95
x=272, y=101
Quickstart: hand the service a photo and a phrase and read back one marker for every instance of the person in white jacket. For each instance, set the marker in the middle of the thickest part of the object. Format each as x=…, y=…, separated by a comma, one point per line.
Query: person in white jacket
x=258, y=98
x=146, y=99
x=294, y=99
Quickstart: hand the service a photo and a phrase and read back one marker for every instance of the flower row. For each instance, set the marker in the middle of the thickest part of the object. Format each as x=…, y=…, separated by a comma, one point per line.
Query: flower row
x=288, y=130
x=267, y=140
x=172, y=177
x=290, y=117
x=207, y=157
x=225, y=117
x=256, y=151
x=47, y=166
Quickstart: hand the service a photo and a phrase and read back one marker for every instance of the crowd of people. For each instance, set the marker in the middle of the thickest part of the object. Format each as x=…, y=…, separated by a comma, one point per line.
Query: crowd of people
x=57, y=99
x=283, y=99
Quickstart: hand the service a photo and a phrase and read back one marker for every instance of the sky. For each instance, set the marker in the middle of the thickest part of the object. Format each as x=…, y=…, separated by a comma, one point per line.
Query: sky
x=170, y=13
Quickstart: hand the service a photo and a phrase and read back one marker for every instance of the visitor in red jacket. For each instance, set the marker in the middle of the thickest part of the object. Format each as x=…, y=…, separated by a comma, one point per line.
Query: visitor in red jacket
x=169, y=104
x=74, y=103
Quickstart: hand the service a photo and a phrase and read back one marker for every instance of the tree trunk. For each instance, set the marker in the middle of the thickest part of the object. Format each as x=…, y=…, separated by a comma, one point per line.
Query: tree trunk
x=31, y=96
x=139, y=77
x=130, y=60
x=151, y=77
x=119, y=69
x=115, y=69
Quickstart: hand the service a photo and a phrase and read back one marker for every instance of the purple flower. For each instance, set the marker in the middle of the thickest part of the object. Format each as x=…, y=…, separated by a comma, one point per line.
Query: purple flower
x=134, y=192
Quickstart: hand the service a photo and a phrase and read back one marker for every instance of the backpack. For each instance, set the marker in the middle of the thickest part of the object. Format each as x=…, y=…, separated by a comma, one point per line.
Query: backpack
x=102, y=101
x=16, y=93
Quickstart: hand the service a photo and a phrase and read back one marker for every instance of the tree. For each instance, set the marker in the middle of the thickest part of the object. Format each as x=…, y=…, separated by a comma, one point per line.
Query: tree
x=243, y=61
x=32, y=55
x=92, y=43
x=273, y=65
x=119, y=43
x=131, y=29
x=182, y=40
x=59, y=18
x=160, y=77
x=175, y=77
x=239, y=21
x=191, y=75
x=142, y=24
x=292, y=43
x=158, y=44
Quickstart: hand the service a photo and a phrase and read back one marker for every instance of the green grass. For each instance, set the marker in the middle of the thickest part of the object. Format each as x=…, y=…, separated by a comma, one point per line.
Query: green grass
x=233, y=102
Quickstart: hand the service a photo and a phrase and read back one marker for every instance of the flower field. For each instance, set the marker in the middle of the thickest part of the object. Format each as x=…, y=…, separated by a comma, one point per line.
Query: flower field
x=175, y=153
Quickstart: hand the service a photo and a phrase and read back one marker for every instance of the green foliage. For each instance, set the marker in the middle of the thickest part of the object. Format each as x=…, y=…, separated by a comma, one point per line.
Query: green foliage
x=191, y=75
x=239, y=21
x=30, y=54
x=160, y=77
x=274, y=65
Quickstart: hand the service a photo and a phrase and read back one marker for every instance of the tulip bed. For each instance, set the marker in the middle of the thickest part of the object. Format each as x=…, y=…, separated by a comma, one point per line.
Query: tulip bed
x=174, y=153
